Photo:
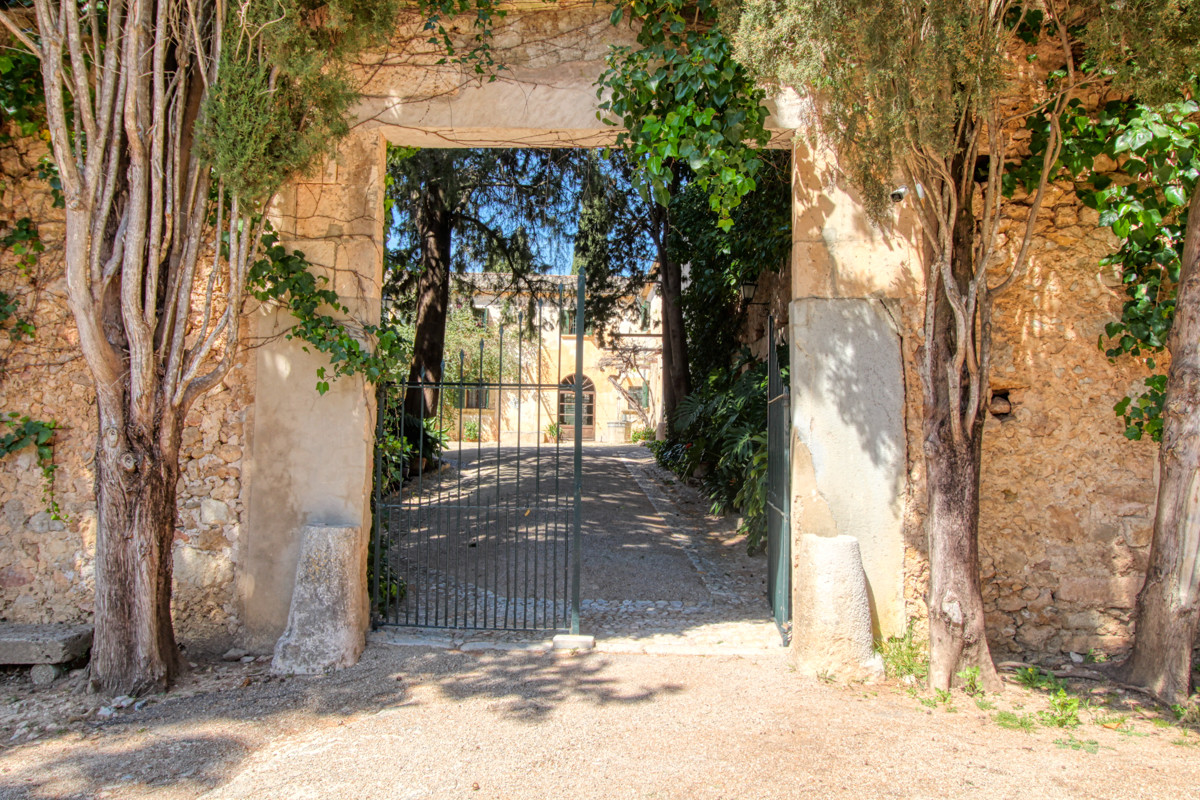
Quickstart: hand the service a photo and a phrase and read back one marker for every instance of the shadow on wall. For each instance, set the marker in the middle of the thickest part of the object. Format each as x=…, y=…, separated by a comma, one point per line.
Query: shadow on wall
x=848, y=363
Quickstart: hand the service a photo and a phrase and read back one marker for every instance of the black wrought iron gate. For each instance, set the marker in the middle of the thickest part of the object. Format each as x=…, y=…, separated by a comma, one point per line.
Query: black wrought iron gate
x=477, y=500
x=779, y=535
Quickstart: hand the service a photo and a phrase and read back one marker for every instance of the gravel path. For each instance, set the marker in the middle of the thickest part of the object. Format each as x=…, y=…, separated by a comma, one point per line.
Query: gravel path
x=414, y=723
x=496, y=715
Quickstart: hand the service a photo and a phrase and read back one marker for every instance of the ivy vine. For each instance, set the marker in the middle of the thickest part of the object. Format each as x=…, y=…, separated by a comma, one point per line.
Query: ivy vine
x=1144, y=203
x=287, y=279
x=25, y=432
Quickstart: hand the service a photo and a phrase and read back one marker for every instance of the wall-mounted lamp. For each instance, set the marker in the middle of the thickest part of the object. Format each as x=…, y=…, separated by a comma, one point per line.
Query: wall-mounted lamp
x=747, y=291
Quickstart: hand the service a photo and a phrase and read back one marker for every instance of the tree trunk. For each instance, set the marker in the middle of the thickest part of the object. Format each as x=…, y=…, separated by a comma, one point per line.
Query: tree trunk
x=1167, y=606
x=957, y=633
x=435, y=226
x=134, y=648
x=957, y=636
x=676, y=380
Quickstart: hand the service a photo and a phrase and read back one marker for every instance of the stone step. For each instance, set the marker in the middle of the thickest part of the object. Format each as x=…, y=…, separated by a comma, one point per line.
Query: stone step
x=43, y=644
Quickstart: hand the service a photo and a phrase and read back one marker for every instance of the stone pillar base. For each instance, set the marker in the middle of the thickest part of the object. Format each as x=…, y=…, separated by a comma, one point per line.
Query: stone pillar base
x=831, y=610
x=328, y=619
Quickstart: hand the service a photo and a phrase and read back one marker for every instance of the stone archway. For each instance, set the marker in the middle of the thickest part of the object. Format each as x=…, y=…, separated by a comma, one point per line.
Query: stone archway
x=311, y=455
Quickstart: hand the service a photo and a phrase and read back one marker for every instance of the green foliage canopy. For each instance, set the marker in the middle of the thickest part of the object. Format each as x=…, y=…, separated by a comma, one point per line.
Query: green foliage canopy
x=889, y=83
x=682, y=96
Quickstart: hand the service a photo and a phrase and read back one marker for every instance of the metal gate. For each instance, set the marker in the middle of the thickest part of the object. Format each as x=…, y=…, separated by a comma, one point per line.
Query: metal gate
x=483, y=534
x=779, y=535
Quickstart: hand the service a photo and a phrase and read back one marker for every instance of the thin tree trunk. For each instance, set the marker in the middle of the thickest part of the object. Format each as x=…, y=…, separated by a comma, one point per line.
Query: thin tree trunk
x=435, y=226
x=134, y=648
x=957, y=633
x=1167, y=607
x=676, y=380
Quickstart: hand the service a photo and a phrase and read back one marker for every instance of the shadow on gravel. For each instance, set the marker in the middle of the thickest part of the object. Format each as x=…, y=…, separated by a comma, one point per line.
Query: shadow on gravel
x=531, y=685
x=192, y=762
x=182, y=739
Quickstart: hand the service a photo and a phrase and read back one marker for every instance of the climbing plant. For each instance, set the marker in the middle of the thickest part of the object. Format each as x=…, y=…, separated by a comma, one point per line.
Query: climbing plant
x=25, y=432
x=371, y=351
x=682, y=96
x=1155, y=153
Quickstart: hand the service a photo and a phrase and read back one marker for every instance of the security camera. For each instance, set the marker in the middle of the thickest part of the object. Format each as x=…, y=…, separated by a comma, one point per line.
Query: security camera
x=898, y=194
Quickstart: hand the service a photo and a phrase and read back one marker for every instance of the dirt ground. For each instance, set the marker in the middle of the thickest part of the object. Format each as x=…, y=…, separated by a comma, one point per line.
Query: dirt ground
x=622, y=722
x=411, y=722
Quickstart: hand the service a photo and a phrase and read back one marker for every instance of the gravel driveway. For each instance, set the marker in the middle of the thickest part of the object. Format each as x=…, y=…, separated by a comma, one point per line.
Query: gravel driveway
x=412, y=722
x=644, y=716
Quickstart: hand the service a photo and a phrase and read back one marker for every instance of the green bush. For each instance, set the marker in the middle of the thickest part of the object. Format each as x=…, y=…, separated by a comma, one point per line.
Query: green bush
x=471, y=430
x=405, y=440
x=720, y=435
x=642, y=435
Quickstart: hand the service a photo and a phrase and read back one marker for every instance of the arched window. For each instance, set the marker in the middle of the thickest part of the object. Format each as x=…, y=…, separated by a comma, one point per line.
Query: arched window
x=566, y=408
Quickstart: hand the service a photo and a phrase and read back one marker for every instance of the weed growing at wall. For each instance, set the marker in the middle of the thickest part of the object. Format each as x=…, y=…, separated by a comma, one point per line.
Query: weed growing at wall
x=905, y=657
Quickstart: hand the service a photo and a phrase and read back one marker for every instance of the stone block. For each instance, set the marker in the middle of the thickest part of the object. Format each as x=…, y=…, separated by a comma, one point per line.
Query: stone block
x=327, y=621
x=43, y=644
x=1100, y=592
x=831, y=610
x=213, y=512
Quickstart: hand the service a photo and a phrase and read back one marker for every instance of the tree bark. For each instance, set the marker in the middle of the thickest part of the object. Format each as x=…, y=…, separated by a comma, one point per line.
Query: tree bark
x=134, y=649
x=957, y=633
x=435, y=225
x=1167, y=606
x=676, y=380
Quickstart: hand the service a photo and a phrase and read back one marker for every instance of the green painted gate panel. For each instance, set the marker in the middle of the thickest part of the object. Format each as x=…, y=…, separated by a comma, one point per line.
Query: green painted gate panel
x=779, y=535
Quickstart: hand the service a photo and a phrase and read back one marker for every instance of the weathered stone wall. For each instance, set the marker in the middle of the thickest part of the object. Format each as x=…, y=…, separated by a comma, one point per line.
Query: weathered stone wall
x=1068, y=502
x=46, y=563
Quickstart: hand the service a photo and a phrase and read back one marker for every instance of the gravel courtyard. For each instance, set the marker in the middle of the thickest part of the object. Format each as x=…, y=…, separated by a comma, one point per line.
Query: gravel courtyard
x=411, y=722
x=688, y=695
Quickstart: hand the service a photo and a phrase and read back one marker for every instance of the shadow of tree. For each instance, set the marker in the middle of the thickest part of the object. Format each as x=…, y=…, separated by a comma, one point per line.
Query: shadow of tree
x=88, y=768
x=530, y=685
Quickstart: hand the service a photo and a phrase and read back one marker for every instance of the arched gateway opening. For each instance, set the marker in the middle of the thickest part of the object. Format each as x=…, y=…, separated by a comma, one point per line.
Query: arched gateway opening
x=311, y=455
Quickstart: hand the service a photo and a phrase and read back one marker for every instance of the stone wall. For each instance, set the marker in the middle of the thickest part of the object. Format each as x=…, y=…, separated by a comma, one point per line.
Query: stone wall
x=46, y=563
x=1068, y=502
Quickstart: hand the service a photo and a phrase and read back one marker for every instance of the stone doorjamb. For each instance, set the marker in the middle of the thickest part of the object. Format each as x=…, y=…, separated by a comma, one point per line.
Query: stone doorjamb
x=311, y=455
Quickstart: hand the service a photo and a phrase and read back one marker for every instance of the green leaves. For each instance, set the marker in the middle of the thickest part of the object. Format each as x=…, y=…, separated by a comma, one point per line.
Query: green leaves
x=1157, y=155
x=287, y=279
x=26, y=432
x=681, y=96
x=25, y=242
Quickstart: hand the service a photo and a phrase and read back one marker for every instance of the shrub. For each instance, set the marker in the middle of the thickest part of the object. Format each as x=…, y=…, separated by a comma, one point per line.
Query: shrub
x=723, y=425
x=471, y=430
x=642, y=435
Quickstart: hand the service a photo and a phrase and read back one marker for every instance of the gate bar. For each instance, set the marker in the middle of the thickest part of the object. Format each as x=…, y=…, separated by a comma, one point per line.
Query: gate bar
x=576, y=558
